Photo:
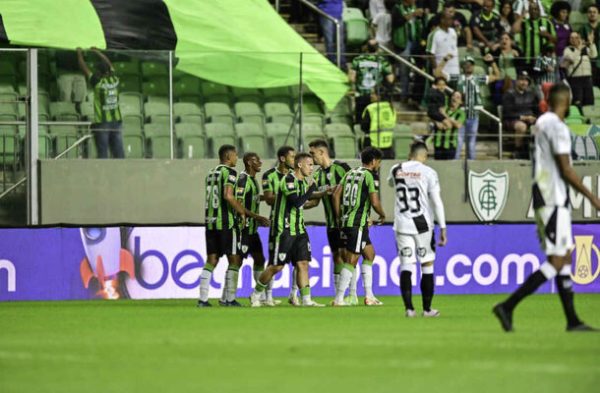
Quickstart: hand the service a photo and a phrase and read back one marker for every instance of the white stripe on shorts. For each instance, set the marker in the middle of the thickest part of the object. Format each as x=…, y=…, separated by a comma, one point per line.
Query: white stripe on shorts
x=358, y=241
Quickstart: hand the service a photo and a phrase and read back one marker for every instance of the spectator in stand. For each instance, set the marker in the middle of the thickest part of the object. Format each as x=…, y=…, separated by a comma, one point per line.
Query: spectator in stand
x=333, y=8
x=378, y=123
x=522, y=12
x=578, y=64
x=445, y=140
x=442, y=43
x=107, y=124
x=536, y=33
x=471, y=5
x=593, y=27
x=457, y=22
x=486, y=27
x=560, y=11
x=507, y=16
x=381, y=21
x=407, y=24
x=470, y=87
x=520, y=109
x=436, y=104
x=297, y=12
x=507, y=57
x=546, y=69
x=367, y=73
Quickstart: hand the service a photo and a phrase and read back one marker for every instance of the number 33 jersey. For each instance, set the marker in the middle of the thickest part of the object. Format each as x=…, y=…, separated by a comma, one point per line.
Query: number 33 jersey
x=414, y=183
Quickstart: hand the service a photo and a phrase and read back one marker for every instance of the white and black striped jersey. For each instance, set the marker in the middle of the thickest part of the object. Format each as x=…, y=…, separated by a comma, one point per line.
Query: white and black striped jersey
x=417, y=198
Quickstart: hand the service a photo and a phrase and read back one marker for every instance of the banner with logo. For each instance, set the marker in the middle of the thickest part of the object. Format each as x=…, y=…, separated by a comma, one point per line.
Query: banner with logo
x=166, y=262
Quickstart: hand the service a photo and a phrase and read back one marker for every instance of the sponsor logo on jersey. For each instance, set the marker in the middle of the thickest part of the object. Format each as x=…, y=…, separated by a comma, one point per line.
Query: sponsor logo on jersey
x=232, y=178
x=290, y=186
x=586, y=253
x=488, y=192
x=282, y=256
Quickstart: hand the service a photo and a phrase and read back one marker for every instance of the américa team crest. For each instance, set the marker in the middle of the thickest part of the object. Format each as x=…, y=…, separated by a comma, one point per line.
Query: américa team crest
x=488, y=192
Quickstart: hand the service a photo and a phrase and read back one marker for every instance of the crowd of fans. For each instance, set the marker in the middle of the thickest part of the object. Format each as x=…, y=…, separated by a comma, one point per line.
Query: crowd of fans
x=515, y=48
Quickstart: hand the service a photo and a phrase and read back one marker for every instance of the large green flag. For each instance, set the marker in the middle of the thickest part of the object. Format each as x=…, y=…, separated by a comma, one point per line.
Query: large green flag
x=242, y=43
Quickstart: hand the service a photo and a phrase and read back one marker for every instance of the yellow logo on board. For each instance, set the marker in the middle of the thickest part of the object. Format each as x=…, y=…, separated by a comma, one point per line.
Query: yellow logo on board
x=585, y=253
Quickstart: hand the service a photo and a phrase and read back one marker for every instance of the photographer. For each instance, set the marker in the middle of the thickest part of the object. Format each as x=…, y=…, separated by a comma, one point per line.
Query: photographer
x=576, y=61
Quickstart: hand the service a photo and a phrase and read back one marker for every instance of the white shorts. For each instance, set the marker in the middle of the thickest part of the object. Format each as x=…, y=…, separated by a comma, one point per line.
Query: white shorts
x=413, y=248
x=554, y=230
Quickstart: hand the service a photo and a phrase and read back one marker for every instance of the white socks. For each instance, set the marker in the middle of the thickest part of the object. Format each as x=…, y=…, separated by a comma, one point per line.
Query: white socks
x=367, y=276
x=345, y=278
x=205, y=277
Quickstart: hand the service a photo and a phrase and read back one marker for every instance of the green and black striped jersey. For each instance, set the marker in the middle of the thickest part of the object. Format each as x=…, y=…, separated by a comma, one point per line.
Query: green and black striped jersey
x=219, y=214
x=270, y=183
x=106, y=98
x=248, y=193
x=357, y=186
x=326, y=178
x=286, y=215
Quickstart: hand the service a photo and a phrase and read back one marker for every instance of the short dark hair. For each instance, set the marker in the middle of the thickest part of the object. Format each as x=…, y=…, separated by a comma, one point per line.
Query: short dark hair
x=224, y=150
x=438, y=79
x=592, y=5
x=556, y=91
x=283, y=151
x=417, y=146
x=319, y=143
x=248, y=156
x=300, y=157
x=103, y=68
x=369, y=154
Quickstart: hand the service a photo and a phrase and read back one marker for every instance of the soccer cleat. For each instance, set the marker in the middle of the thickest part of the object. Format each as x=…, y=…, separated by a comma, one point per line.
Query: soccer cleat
x=504, y=316
x=223, y=303
x=373, y=301
x=255, y=300
x=312, y=303
x=235, y=303
x=294, y=300
x=204, y=304
x=582, y=327
x=431, y=313
x=351, y=300
x=410, y=313
x=270, y=302
x=340, y=304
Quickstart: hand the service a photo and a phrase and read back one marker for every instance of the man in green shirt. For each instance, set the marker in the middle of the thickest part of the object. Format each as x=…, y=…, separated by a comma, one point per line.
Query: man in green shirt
x=593, y=26
x=328, y=178
x=445, y=139
x=223, y=216
x=291, y=240
x=536, y=32
x=247, y=193
x=107, y=124
x=352, y=204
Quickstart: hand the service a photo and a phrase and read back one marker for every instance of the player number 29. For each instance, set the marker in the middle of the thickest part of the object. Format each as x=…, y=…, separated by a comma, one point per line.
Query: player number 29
x=350, y=194
x=409, y=200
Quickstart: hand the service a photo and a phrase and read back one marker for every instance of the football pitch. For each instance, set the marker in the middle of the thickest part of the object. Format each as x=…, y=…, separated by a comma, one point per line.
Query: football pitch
x=172, y=346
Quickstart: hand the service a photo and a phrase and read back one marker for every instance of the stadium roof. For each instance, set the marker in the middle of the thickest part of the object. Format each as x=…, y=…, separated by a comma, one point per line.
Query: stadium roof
x=242, y=43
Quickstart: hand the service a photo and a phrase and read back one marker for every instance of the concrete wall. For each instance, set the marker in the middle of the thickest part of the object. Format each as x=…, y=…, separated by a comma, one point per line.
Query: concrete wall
x=90, y=192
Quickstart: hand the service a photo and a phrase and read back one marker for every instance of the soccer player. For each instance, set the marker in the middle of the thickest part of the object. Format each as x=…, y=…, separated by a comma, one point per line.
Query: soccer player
x=328, y=178
x=270, y=182
x=352, y=205
x=221, y=232
x=248, y=194
x=417, y=195
x=552, y=174
x=291, y=240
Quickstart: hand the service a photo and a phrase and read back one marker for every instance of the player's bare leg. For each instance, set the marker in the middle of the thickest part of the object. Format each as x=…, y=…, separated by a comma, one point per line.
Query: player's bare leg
x=427, y=289
x=304, y=284
x=211, y=263
x=263, y=281
x=368, y=254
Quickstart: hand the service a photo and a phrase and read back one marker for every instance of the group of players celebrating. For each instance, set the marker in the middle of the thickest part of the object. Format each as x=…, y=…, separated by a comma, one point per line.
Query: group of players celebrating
x=348, y=196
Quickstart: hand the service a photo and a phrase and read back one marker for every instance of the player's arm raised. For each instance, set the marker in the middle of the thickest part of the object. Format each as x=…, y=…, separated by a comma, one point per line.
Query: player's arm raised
x=572, y=178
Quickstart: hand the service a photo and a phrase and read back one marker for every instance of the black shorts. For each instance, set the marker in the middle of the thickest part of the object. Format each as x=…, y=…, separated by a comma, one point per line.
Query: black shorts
x=287, y=248
x=251, y=244
x=222, y=242
x=334, y=237
x=356, y=239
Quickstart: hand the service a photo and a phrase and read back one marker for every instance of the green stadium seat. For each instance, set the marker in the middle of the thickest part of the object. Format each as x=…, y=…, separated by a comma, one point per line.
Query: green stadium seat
x=592, y=112
x=277, y=112
x=131, y=103
x=251, y=138
x=343, y=107
x=278, y=94
x=192, y=146
x=8, y=108
x=356, y=26
x=249, y=112
x=577, y=19
x=219, y=112
x=126, y=68
x=579, y=128
x=187, y=86
x=341, y=119
x=44, y=146
x=188, y=112
x=159, y=146
x=219, y=134
x=135, y=121
x=64, y=137
x=155, y=110
x=64, y=111
x=242, y=94
x=188, y=129
x=130, y=83
x=311, y=132
x=9, y=146
x=403, y=138
x=345, y=146
x=334, y=130
x=134, y=145
x=596, y=93
x=7, y=67
x=313, y=118
x=277, y=134
x=158, y=87
x=155, y=129
x=87, y=111
x=215, y=92
x=154, y=70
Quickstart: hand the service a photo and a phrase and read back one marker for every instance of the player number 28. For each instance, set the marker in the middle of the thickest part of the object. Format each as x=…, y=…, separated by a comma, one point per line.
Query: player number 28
x=212, y=195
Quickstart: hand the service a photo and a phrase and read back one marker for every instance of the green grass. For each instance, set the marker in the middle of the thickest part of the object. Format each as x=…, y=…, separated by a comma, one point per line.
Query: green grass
x=171, y=346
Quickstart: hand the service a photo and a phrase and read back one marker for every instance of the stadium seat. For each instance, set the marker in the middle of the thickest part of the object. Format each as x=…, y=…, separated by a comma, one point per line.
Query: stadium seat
x=9, y=146
x=134, y=146
x=158, y=87
x=220, y=134
x=192, y=146
x=403, y=138
x=342, y=140
x=187, y=86
x=126, y=68
x=241, y=94
x=154, y=70
x=278, y=94
x=188, y=112
x=596, y=93
x=577, y=20
x=64, y=111
x=276, y=109
x=7, y=67
x=131, y=103
x=579, y=128
x=249, y=112
x=130, y=120
x=218, y=112
x=158, y=140
x=188, y=129
x=130, y=83
x=155, y=111
x=313, y=118
x=215, y=92
x=279, y=134
x=64, y=137
x=592, y=112
x=334, y=129
x=251, y=138
x=155, y=129
x=87, y=111
x=356, y=26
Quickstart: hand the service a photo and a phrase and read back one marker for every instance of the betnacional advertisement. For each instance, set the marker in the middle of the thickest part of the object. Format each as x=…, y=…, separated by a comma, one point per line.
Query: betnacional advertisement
x=166, y=262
